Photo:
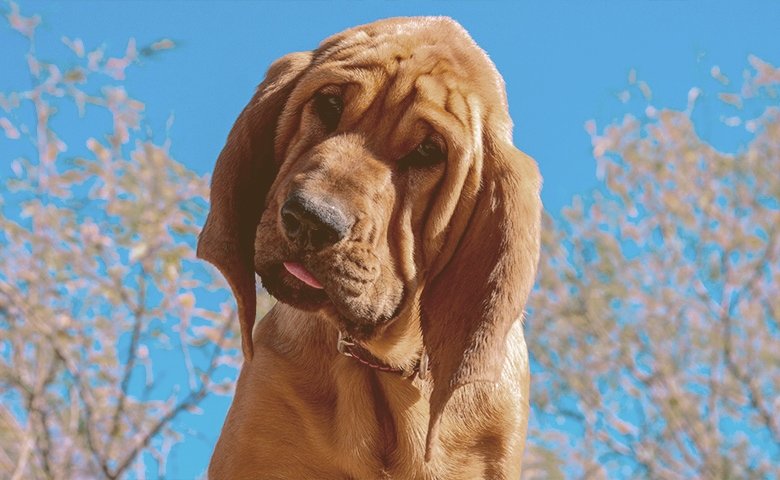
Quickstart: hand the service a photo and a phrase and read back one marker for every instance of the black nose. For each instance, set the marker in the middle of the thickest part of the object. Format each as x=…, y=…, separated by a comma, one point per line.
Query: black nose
x=313, y=224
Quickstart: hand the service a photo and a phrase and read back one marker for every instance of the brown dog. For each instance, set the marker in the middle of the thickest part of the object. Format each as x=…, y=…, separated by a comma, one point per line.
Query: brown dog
x=373, y=186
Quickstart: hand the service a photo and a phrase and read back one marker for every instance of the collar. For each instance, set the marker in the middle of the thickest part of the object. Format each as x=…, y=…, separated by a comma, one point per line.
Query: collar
x=348, y=347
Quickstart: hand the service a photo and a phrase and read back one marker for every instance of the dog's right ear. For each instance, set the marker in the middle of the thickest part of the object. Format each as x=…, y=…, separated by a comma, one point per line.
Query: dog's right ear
x=244, y=172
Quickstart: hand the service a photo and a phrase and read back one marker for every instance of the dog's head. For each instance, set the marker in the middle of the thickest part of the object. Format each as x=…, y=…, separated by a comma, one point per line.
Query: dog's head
x=376, y=176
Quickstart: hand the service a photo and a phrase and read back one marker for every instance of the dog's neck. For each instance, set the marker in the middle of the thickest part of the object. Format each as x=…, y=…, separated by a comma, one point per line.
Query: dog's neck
x=349, y=347
x=361, y=408
x=399, y=345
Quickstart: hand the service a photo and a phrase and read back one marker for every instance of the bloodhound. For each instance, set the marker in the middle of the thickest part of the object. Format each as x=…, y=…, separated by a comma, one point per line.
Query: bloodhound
x=373, y=185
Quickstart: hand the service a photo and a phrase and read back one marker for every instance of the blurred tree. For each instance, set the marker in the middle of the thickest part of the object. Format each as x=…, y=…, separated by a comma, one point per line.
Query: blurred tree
x=98, y=280
x=654, y=327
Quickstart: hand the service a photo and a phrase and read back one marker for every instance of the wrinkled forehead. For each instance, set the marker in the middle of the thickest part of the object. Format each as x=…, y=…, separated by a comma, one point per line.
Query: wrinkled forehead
x=423, y=46
x=428, y=67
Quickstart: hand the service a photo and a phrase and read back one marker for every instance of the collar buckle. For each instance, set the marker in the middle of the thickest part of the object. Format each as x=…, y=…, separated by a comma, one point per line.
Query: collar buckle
x=344, y=344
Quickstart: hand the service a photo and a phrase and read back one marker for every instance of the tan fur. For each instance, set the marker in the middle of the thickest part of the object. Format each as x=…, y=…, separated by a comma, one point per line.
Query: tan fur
x=438, y=260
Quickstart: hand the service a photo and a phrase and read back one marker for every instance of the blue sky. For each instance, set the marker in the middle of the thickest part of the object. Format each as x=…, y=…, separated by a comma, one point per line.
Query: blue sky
x=564, y=63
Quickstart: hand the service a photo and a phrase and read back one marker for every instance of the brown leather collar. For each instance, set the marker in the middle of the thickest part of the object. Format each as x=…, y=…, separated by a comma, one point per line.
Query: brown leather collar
x=348, y=347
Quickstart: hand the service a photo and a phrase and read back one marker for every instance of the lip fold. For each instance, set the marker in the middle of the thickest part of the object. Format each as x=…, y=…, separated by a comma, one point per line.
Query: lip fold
x=299, y=271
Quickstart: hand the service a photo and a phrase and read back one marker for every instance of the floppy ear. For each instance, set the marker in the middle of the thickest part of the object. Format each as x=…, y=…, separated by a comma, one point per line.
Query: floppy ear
x=242, y=177
x=469, y=307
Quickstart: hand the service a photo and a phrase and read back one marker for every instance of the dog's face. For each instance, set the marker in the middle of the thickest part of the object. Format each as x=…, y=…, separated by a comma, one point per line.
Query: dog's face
x=362, y=144
x=376, y=176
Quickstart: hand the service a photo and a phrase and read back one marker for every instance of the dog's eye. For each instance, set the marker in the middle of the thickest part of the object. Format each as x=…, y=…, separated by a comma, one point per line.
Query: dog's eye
x=328, y=108
x=427, y=154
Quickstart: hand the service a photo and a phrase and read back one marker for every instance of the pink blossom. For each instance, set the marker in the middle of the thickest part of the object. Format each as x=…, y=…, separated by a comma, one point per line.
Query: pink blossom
x=10, y=130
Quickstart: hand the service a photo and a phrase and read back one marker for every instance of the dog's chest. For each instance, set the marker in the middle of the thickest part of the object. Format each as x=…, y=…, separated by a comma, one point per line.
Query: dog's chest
x=380, y=425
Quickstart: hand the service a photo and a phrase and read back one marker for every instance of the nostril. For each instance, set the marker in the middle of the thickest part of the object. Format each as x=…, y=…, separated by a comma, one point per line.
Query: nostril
x=292, y=225
x=319, y=237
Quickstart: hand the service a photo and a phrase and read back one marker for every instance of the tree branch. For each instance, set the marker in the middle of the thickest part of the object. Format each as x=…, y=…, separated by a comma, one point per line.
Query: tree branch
x=132, y=355
x=189, y=402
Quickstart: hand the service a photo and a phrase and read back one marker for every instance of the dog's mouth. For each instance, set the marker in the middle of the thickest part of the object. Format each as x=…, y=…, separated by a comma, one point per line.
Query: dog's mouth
x=294, y=283
x=291, y=283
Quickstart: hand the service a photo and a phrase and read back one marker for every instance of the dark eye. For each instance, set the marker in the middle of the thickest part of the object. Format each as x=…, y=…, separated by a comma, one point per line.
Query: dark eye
x=328, y=108
x=427, y=154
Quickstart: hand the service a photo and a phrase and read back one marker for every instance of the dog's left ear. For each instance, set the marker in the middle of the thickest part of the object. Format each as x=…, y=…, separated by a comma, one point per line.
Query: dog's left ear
x=245, y=170
x=470, y=305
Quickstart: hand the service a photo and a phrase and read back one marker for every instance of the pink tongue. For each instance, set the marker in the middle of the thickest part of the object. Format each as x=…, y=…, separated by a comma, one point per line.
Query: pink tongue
x=298, y=271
